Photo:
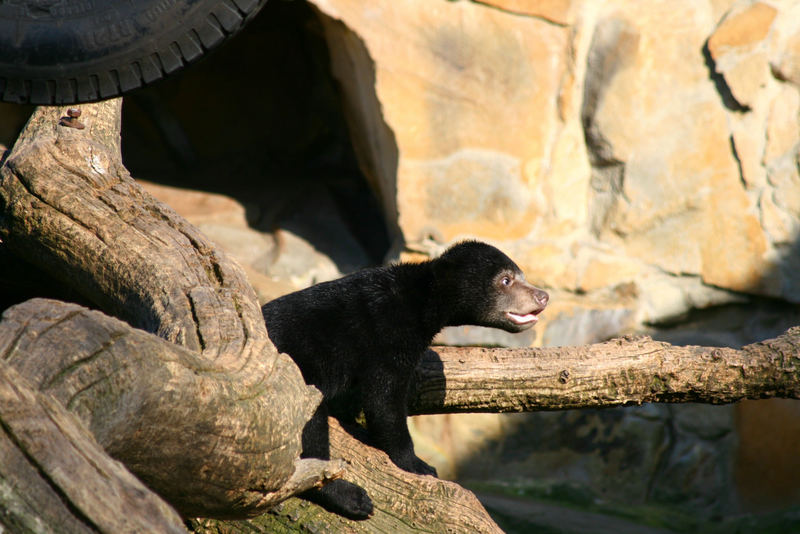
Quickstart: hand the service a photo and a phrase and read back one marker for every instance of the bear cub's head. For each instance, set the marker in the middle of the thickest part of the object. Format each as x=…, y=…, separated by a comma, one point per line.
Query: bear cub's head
x=486, y=288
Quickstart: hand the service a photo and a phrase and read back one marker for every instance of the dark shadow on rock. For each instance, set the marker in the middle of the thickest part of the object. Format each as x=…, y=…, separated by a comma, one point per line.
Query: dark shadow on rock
x=262, y=120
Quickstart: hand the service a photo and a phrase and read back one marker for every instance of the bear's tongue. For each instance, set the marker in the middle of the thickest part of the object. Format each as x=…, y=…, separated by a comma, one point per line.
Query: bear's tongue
x=522, y=319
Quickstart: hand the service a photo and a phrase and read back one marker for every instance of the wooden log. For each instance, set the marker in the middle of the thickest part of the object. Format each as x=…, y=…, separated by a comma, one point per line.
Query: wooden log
x=70, y=208
x=404, y=502
x=210, y=444
x=628, y=370
x=54, y=477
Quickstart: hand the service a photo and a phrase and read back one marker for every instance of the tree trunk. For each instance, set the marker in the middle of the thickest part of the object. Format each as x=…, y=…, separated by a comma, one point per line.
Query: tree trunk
x=53, y=474
x=191, y=396
x=213, y=428
x=196, y=435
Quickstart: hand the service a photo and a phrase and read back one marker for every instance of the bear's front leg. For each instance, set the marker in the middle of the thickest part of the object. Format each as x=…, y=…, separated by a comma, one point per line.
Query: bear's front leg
x=338, y=496
x=385, y=399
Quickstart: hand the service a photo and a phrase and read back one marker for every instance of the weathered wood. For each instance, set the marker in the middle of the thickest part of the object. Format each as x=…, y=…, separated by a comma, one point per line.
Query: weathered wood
x=54, y=477
x=70, y=208
x=404, y=502
x=206, y=441
x=630, y=370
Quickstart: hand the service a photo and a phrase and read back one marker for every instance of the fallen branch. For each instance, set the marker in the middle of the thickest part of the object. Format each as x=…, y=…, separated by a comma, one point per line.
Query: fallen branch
x=195, y=434
x=404, y=502
x=214, y=426
x=54, y=477
x=629, y=370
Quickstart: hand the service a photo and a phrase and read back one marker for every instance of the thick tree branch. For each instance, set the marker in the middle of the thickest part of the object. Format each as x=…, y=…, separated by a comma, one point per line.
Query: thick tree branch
x=404, y=502
x=201, y=438
x=55, y=477
x=630, y=370
x=69, y=207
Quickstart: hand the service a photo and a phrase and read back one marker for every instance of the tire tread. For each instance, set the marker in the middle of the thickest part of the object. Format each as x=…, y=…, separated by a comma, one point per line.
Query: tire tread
x=152, y=62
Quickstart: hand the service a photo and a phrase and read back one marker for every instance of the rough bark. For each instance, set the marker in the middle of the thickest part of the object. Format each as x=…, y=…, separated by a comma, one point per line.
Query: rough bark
x=70, y=208
x=201, y=438
x=404, y=502
x=54, y=477
x=629, y=370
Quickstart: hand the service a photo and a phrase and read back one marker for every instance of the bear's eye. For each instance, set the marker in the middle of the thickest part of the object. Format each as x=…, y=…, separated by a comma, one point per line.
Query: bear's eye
x=506, y=281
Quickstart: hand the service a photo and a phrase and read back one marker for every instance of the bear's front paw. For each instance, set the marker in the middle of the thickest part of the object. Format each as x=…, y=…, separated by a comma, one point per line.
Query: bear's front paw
x=422, y=468
x=343, y=498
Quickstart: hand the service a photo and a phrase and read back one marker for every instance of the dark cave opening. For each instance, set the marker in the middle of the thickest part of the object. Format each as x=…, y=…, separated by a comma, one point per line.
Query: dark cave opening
x=261, y=120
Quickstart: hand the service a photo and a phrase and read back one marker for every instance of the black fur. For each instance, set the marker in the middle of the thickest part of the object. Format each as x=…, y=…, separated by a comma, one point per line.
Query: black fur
x=367, y=331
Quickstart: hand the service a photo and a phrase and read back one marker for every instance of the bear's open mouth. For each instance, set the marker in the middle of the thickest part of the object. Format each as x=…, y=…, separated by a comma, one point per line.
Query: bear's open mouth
x=525, y=318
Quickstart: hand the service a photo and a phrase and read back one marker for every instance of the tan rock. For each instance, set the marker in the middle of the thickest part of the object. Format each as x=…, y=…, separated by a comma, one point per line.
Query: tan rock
x=783, y=126
x=199, y=207
x=720, y=7
x=557, y=11
x=267, y=288
x=467, y=97
x=664, y=298
x=742, y=29
x=779, y=225
x=739, y=50
x=786, y=184
x=681, y=205
x=491, y=198
x=252, y=248
x=785, y=57
x=545, y=264
x=602, y=271
x=746, y=76
x=749, y=142
x=580, y=319
x=733, y=255
x=275, y=263
x=785, y=43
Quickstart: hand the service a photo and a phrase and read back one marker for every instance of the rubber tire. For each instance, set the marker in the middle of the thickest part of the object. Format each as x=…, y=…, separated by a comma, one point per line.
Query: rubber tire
x=70, y=51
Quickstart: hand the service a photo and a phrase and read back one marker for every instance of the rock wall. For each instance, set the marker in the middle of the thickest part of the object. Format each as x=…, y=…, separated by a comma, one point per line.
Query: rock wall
x=641, y=155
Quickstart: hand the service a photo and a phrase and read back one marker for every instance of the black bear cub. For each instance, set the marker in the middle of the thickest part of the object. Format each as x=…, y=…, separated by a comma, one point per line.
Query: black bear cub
x=366, y=332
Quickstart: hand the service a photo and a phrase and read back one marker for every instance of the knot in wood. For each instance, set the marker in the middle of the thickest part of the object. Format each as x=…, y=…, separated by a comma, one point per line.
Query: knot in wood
x=563, y=376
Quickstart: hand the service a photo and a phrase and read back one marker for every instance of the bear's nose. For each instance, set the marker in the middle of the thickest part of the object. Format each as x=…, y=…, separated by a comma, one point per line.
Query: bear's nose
x=541, y=297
